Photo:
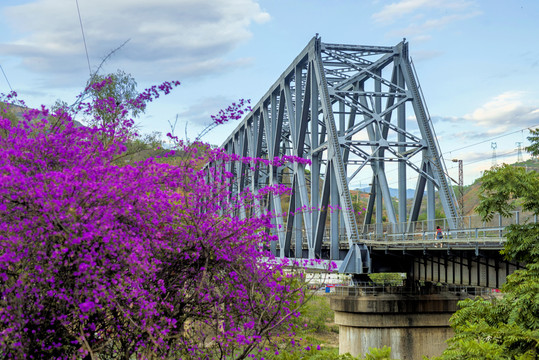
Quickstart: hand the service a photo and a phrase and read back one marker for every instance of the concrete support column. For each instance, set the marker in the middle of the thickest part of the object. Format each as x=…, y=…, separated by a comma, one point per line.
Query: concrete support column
x=412, y=325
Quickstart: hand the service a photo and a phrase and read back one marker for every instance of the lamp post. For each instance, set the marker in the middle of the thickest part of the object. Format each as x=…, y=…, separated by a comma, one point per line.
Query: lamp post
x=461, y=187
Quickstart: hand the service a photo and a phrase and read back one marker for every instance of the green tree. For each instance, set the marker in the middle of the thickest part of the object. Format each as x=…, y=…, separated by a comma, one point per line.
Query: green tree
x=7, y=111
x=118, y=100
x=316, y=314
x=119, y=86
x=311, y=353
x=506, y=327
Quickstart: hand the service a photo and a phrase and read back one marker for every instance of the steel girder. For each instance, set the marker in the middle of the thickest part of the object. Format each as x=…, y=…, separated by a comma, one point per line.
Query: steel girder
x=337, y=105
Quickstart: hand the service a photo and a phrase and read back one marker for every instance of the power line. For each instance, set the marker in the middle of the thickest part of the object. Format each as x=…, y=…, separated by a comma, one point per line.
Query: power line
x=1, y=68
x=84, y=38
x=467, y=146
x=468, y=163
x=493, y=138
x=507, y=154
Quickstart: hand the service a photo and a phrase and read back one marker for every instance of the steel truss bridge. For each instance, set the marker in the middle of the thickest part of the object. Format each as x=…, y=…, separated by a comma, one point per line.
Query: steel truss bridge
x=352, y=110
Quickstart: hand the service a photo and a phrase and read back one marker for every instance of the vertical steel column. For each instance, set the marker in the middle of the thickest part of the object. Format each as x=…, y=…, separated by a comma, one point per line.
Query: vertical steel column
x=401, y=122
x=342, y=128
x=298, y=229
x=315, y=158
x=379, y=162
x=431, y=214
x=334, y=218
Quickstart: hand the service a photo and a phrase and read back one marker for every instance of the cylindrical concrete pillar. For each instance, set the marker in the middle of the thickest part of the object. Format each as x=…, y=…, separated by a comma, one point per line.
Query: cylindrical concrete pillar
x=412, y=325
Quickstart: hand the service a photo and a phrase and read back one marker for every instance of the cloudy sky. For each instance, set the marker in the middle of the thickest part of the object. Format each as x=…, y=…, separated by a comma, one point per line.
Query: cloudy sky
x=477, y=60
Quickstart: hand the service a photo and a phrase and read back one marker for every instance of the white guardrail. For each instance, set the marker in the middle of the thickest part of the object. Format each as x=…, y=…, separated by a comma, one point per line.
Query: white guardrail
x=473, y=231
x=366, y=289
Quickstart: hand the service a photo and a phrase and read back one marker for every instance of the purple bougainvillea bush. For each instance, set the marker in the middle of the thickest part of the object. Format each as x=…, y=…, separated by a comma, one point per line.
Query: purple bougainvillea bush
x=139, y=261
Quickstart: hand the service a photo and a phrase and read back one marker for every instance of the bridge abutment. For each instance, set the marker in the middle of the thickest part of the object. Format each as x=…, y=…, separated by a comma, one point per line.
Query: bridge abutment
x=412, y=325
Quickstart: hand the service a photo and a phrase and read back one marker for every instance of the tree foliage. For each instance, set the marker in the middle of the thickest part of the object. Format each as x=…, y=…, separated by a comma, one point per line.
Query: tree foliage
x=116, y=96
x=315, y=315
x=10, y=107
x=533, y=149
x=506, y=327
x=505, y=188
x=147, y=260
x=318, y=353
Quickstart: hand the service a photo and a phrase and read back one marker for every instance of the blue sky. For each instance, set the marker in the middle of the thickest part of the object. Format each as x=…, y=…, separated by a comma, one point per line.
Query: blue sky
x=477, y=60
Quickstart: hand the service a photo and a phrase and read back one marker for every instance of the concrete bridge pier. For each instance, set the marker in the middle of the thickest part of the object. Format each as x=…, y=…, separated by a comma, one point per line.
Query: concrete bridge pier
x=412, y=325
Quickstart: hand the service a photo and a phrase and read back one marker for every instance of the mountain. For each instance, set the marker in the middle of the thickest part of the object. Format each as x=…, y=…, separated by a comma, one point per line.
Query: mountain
x=470, y=192
x=393, y=192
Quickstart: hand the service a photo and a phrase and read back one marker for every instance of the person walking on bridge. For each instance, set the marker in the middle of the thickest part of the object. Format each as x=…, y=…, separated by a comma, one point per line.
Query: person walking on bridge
x=439, y=233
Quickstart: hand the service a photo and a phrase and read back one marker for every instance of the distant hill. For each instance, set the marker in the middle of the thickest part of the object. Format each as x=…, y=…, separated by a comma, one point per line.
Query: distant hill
x=471, y=192
x=394, y=192
x=17, y=111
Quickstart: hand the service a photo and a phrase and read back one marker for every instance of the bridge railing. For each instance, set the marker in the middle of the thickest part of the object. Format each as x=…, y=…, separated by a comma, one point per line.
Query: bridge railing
x=475, y=232
x=365, y=289
x=473, y=229
x=487, y=237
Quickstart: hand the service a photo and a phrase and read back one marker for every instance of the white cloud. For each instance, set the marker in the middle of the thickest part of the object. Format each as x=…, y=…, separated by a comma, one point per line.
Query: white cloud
x=421, y=38
x=392, y=12
x=505, y=112
x=417, y=19
x=177, y=38
x=475, y=156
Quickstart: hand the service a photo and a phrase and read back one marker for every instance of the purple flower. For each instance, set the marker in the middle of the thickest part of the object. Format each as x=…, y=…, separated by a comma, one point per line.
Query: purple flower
x=158, y=244
x=87, y=306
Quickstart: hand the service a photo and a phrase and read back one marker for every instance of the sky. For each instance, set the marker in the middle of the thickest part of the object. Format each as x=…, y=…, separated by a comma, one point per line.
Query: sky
x=477, y=60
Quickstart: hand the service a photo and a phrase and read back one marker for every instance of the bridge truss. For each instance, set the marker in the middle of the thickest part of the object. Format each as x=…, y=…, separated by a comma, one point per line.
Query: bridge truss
x=351, y=110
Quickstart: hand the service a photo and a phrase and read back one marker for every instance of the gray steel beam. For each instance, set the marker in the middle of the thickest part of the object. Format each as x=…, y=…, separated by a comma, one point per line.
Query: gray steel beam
x=401, y=123
x=336, y=106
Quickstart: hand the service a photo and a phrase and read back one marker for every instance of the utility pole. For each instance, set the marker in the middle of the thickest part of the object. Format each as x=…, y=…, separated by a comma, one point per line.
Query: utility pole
x=461, y=187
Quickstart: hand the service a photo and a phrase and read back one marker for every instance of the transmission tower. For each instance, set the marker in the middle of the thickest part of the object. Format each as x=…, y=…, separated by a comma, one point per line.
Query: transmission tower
x=460, y=187
x=494, y=146
x=519, y=151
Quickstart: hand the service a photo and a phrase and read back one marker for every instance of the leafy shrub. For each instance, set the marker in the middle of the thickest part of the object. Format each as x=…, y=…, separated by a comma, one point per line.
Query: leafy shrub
x=145, y=260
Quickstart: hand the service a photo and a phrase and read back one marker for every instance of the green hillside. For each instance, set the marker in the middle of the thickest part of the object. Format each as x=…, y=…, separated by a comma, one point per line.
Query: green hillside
x=471, y=196
x=471, y=192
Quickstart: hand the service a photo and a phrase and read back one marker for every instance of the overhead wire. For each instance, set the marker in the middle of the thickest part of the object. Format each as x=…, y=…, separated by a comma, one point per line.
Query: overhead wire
x=5, y=76
x=493, y=138
x=84, y=38
x=504, y=155
x=468, y=146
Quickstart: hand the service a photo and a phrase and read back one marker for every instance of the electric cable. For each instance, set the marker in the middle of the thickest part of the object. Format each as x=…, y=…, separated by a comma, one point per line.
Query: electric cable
x=84, y=38
x=5, y=76
x=493, y=138
x=468, y=146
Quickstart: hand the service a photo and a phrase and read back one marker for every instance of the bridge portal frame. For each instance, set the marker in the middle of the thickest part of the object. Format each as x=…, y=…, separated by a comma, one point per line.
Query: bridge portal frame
x=334, y=105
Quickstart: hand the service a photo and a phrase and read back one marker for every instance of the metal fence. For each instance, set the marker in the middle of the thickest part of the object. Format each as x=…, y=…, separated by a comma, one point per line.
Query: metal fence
x=473, y=232
x=370, y=289
x=472, y=229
